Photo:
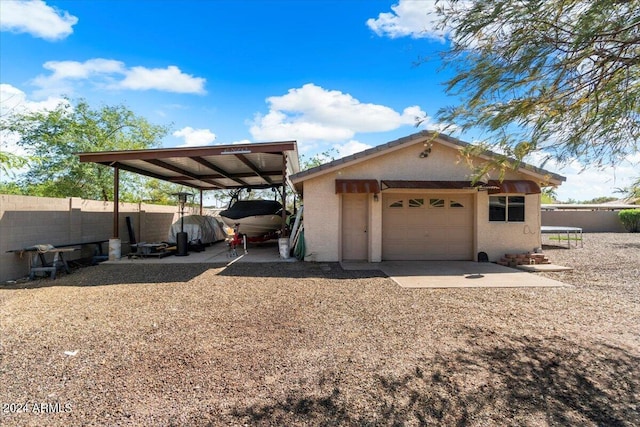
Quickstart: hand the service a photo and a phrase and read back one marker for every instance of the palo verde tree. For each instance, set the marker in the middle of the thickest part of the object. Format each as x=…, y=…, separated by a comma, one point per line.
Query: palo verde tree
x=54, y=137
x=560, y=77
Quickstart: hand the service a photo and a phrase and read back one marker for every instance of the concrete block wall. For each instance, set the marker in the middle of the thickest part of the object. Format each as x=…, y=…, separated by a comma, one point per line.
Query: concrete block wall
x=591, y=221
x=26, y=221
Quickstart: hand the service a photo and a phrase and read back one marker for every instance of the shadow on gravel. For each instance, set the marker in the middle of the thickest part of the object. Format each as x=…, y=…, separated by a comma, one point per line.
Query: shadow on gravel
x=113, y=274
x=110, y=274
x=297, y=270
x=521, y=381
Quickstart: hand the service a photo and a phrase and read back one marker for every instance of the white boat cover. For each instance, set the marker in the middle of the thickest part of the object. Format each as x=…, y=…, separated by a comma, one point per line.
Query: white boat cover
x=198, y=227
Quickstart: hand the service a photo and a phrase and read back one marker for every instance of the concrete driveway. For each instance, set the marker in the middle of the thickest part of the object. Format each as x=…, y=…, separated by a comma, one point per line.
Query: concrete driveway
x=456, y=274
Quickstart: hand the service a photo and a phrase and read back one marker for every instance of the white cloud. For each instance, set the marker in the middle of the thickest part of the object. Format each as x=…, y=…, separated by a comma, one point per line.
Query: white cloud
x=111, y=74
x=14, y=101
x=195, y=137
x=169, y=79
x=312, y=113
x=414, y=18
x=587, y=183
x=350, y=148
x=36, y=18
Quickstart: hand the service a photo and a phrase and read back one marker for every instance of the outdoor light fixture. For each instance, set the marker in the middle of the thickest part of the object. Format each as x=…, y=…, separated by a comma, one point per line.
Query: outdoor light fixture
x=427, y=150
x=182, y=240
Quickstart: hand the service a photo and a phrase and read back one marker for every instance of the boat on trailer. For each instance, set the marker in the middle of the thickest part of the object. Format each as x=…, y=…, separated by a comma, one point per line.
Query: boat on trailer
x=257, y=219
x=254, y=218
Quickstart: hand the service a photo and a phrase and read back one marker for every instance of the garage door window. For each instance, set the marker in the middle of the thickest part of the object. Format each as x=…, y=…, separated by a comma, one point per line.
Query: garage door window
x=416, y=203
x=396, y=204
x=436, y=203
x=506, y=208
x=454, y=204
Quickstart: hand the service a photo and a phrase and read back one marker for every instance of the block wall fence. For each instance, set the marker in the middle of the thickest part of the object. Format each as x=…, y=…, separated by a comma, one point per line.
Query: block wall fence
x=26, y=221
x=595, y=221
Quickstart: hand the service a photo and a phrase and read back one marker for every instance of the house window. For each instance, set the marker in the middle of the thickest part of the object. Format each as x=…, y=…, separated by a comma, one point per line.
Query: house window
x=506, y=208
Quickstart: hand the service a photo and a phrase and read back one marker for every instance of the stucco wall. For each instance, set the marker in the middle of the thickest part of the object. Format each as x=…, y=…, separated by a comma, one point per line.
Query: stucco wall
x=499, y=238
x=323, y=206
x=26, y=221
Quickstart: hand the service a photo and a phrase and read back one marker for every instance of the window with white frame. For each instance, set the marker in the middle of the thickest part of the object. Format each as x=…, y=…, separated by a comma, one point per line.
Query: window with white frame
x=506, y=208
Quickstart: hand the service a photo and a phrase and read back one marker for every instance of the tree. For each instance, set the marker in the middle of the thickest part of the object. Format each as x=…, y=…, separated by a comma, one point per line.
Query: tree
x=561, y=78
x=55, y=137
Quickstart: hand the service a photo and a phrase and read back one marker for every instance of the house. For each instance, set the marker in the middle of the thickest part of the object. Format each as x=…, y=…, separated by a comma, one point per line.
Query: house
x=413, y=199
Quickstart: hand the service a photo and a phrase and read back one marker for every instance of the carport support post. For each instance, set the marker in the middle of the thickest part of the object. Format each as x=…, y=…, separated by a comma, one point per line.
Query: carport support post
x=284, y=195
x=115, y=247
x=116, y=200
x=201, y=202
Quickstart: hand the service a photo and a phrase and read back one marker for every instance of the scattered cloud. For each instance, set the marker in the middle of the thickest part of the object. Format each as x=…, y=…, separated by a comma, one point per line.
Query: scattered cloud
x=169, y=79
x=195, y=137
x=586, y=183
x=312, y=113
x=409, y=18
x=350, y=148
x=35, y=17
x=14, y=101
x=111, y=74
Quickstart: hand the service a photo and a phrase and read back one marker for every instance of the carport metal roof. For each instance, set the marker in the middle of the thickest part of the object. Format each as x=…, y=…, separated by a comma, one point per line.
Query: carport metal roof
x=255, y=165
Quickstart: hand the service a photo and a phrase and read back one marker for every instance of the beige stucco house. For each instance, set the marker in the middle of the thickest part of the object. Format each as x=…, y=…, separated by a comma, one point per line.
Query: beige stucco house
x=413, y=199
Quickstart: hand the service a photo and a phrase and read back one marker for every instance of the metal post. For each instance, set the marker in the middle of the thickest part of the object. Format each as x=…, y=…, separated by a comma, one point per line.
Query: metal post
x=284, y=194
x=116, y=201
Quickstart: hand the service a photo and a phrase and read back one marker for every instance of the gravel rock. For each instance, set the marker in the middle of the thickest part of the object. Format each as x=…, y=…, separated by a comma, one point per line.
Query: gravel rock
x=312, y=344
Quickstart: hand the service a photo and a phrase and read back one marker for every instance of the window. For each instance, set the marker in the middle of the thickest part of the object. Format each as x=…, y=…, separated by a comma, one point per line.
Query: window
x=416, y=203
x=506, y=208
x=436, y=203
x=396, y=204
x=454, y=204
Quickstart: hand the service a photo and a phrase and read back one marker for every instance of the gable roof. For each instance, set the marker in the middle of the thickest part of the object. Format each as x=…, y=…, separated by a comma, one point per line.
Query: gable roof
x=525, y=168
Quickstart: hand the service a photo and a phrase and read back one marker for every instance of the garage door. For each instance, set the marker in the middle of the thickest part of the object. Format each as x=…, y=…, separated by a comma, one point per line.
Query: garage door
x=427, y=227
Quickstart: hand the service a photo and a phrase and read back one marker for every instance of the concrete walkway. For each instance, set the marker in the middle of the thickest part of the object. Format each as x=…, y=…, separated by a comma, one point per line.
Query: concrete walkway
x=456, y=274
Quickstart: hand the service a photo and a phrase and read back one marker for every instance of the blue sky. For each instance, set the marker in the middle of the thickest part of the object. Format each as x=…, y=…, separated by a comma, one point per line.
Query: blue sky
x=336, y=74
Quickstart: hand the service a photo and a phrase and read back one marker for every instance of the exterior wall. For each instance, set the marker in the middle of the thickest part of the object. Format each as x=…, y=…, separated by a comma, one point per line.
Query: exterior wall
x=589, y=221
x=26, y=221
x=499, y=238
x=322, y=209
x=323, y=206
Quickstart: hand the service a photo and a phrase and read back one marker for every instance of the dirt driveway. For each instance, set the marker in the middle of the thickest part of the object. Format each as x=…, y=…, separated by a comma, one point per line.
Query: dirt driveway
x=312, y=344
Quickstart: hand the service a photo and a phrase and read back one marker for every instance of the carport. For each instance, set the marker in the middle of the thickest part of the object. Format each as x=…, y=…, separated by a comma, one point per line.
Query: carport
x=254, y=165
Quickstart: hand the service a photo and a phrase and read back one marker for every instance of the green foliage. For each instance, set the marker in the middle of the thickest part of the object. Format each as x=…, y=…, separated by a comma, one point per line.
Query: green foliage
x=318, y=159
x=548, y=195
x=559, y=77
x=630, y=218
x=55, y=138
x=9, y=161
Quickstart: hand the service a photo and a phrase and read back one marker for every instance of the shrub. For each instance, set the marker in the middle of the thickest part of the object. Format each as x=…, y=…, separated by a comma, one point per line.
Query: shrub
x=630, y=218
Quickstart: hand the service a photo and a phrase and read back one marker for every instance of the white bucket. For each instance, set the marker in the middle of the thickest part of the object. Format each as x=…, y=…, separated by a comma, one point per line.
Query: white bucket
x=114, y=249
x=283, y=243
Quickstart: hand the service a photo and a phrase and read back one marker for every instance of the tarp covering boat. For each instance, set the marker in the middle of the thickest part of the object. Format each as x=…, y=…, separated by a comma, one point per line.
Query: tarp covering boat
x=245, y=208
x=198, y=227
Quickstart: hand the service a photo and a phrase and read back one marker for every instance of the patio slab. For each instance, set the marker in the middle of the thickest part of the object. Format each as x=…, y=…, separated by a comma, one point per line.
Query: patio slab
x=218, y=253
x=456, y=274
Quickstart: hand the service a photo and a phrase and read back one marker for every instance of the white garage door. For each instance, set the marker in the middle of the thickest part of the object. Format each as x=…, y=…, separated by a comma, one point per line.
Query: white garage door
x=427, y=227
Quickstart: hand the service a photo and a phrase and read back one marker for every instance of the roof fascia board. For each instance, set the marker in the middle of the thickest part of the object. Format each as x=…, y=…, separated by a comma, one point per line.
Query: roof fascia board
x=161, y=153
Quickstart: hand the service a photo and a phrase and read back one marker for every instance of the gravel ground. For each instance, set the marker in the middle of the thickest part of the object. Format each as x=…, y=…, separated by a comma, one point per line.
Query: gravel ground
x=311, y=344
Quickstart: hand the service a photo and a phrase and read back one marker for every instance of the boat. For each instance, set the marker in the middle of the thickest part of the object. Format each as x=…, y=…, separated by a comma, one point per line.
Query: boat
x=254, y=218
